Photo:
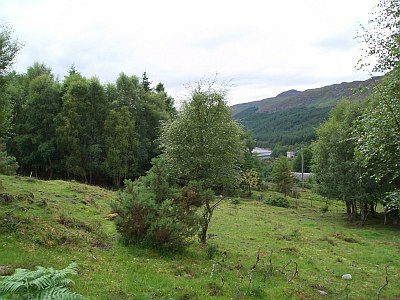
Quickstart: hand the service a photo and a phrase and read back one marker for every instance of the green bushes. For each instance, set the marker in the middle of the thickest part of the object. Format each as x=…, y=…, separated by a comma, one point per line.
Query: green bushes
x=235, y=201
x=142, y=220
x=212, y=250
x=8, y=164
x=12, y=222
x=279, y=201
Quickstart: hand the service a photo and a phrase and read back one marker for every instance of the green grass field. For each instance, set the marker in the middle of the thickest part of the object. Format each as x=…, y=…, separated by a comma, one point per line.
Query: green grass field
x=52, y=223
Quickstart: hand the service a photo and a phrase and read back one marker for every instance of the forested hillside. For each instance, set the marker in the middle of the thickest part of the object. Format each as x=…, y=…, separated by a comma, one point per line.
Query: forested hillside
x=78, y=128
x=291, y=117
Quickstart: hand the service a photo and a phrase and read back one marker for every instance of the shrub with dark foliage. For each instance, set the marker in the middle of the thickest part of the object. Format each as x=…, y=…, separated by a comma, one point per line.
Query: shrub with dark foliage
x=8, y=164
x=279, y=202
x=146, y=220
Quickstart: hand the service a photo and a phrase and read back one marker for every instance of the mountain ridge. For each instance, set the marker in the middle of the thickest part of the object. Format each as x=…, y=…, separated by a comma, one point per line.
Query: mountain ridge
x=317, y=97
x=291, y=117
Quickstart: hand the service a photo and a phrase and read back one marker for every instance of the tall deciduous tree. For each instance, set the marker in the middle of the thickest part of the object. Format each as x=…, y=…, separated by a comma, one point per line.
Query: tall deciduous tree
x=203, y=144
x=129, y=94
x=36, y=103
x=71, y=124
x=303, y=158
x=95, y=117
x=281, y=175
x=155, y=111
x=9, y=48
x=36, y=140
x=5, y=109
x=381, y=38
x=337, y=172
x=251, y=179
x=81, y=121
x=8, y=164
x=120, y=144
x=333, y=159
x=16, y=90
x=378, y=143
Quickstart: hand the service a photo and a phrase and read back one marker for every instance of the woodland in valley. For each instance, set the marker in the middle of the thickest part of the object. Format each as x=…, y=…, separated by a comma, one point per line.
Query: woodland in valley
x=103, y=176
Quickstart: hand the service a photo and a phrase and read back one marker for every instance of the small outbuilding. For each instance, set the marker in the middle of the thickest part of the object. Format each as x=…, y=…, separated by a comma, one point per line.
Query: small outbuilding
x=290, y=154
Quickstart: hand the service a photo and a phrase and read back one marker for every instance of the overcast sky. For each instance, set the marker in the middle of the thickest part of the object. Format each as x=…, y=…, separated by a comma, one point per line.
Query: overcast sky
x=262, y=47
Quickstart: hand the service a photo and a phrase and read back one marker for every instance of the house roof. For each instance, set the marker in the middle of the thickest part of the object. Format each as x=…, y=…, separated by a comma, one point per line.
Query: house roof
x=262, y=152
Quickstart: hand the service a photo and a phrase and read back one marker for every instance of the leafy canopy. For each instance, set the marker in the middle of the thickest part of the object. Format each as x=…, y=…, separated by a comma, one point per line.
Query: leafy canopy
x=378, y=144
x=9, y=48
x=282, y=176
x=382, y=38
x=204, y=143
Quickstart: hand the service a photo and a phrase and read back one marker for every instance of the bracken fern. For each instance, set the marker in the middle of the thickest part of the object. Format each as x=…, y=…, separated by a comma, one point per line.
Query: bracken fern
x=42, y=283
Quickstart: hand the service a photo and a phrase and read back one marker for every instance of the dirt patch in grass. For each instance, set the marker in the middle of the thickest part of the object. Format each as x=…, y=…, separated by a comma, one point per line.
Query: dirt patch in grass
x=343, y=237
x=329, y=240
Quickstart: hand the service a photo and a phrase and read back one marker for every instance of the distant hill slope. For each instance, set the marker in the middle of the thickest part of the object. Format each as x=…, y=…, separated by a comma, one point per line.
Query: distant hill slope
x=291, y=117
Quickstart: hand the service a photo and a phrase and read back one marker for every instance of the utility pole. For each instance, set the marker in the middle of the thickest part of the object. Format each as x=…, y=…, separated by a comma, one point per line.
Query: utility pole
x=302, y=168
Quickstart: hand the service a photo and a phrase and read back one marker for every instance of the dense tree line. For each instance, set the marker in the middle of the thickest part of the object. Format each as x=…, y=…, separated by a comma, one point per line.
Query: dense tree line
x=78, y=128
x=356, y=156
x=338, y=173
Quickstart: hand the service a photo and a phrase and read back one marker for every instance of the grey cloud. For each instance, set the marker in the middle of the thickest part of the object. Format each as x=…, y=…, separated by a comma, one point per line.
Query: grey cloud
x=342, y=41
x=218, y=40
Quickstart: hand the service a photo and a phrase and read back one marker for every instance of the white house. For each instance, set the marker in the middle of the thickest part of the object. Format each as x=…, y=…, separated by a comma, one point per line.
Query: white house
x=290, y=154
x=299, y=176
x=262, y=152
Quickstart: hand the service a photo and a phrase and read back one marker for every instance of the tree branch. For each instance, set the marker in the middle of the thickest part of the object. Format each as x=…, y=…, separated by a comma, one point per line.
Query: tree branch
x=215, y=205
x=378, y=293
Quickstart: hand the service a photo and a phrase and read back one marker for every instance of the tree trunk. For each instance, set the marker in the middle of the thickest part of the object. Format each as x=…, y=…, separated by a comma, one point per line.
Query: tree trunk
x=348, y=209
x=363, y=211
x=203, y=233
x=51, y=170
x=354, y=207
x=117, y=181
x=372, y=208
x=207, y=214
x=396, y=218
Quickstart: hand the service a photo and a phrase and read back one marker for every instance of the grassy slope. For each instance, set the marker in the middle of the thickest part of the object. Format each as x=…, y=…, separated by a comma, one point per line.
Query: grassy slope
x=72, y=227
